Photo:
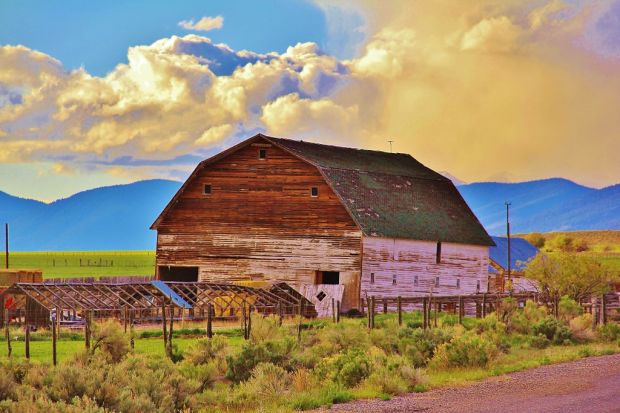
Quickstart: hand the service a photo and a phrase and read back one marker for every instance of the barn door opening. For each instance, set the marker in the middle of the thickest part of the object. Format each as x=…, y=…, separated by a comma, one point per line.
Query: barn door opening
x=183, y=274
x=327, y=277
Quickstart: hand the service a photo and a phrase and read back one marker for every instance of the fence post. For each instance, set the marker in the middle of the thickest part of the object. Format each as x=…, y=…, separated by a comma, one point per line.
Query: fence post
x=7, y=332
x=399, y=305
x=603, y=310
x=385, y=306
x=425, y=313
x=170, y=331
x=368, y=313
x=460, y=304
x=301, y=315
x=436, y=311
x=372, y=312
x=280, y=312
x=333, y=310
x=244, y=322
x=338, y=311
x=249, y=321
x=54, y=338
x=164, y=323
x=484, y=305
x=210, y=320
x=132, y=341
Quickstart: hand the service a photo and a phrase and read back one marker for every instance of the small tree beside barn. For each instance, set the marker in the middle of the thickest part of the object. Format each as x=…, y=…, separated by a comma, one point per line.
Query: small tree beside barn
x=333, y=222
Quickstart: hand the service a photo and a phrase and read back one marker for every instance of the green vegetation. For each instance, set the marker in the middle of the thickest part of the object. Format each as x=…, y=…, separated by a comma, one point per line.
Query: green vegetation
x=86, y=263
x=593, y=241
x=273, y=371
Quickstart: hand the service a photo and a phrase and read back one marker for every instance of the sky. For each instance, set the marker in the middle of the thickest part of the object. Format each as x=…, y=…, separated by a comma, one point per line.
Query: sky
x=101, y=93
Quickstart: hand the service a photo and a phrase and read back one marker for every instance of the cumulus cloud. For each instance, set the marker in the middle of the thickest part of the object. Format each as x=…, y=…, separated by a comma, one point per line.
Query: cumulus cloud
x=204, y=25
x=500, y=86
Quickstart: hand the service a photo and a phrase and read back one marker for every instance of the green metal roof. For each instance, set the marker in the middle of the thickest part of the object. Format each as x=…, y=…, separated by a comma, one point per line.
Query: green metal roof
x=392, y=194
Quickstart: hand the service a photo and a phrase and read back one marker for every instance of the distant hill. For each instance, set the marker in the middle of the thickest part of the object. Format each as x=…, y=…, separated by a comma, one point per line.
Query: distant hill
x=545, y=205
x=107, y=218
x=118, y=217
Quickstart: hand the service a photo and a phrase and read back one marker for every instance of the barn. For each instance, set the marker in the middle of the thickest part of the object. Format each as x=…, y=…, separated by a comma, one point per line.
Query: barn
x=330, y=221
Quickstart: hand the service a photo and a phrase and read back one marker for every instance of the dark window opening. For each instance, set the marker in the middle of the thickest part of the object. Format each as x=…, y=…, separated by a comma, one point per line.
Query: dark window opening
x=328, y=277
x=184, y=274
x=372, y=277
x=207, y=189
x=436, y=281
x=393, y=279
x=478, y=286
x=438, y=255
x=262, y=154
x=415, y=281
x=320, y=296
x=314, y=191
x=458, y=283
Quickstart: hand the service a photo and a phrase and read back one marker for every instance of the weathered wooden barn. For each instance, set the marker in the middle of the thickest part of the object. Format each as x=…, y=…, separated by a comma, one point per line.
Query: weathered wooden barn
x=328, y=220
x=521, y=251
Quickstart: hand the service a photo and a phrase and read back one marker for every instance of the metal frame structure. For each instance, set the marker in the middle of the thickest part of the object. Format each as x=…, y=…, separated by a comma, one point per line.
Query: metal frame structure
x=145, y=299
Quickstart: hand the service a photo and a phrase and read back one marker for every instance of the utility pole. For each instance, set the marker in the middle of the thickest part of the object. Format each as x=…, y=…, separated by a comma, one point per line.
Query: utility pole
x=391, y=145
x=6, y=245
x=508, y=236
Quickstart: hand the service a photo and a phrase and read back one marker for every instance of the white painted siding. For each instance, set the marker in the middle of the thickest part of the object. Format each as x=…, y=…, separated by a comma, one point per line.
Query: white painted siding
x=406, y=259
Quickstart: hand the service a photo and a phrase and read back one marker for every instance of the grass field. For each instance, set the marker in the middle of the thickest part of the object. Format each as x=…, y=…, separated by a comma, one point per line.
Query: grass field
x=86, y=263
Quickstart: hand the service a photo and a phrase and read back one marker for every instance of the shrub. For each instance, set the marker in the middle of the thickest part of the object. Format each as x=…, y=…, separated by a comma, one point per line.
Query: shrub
x=581, y=327
x=568, y=309
x=347, y=368
x=523, y=320
x=553, y=329
x=8, y=387
x=419, y=345
x=206, y=350
x=265, y=328
x=387, y=381
x=108, y=337
x=268, y=381
x=278, y=352
x=302, y=380
x=609, y=332
x=506, y=310
x=540, y=341
x=466, y=350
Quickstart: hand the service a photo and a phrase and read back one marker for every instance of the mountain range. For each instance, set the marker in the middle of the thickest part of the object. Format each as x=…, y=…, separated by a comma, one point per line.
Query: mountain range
x=118, y=217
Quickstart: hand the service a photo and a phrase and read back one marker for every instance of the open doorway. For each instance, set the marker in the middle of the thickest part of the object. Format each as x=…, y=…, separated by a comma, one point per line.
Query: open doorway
x=181, y=274
x=327, y=277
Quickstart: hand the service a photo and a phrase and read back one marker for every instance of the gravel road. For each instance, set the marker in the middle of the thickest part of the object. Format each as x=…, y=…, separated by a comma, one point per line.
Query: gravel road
x=587, y=385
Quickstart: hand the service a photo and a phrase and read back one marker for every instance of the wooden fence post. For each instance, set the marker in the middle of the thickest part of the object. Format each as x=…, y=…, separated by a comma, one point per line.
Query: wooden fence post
x=338, y=311
x=460, y=305
x=132, y=341
x=54, y=338
x=484, y=305
x=170, y=330
x=301, y=315
x=333, y=310
x=244, y=322
x=280, y=312
x=210, y=320
x=368, y=313
x=436, y=311
x=125, y=313
x=249, y=321
x=372, y=312
x=399, y=305
x=164, y=323
x=385, y=306
x=603, y=310
x=425, y=313
x=86, y=317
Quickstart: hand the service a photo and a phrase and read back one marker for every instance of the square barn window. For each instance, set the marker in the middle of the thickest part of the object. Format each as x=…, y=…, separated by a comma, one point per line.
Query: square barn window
x=372, y=277
x=436, y=281
x=321, y=296
x=415, y=281
x=458, y=283
x=393, y=279
x=207, y=189
x=314, y=191
x=262, y=154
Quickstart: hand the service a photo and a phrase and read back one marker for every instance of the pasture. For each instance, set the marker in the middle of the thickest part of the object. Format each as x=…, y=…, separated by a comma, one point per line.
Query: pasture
x=68, y=264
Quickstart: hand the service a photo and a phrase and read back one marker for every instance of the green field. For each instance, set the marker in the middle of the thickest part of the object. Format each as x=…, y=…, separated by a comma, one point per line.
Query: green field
x=86, y=263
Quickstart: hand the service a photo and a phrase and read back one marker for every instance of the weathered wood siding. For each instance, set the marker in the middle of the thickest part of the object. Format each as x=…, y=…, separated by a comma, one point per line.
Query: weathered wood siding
x=260, y=222
x=406, y=259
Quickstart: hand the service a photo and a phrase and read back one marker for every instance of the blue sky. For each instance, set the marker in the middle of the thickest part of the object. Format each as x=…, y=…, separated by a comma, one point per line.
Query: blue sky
x=96, y=34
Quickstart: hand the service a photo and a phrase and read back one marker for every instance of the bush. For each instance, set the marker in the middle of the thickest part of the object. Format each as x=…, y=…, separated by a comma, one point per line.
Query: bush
x=205, y=351
x=523, y=320
x=568, y=309
x=265, y=328
x=268, y=381
x=240, y=366
x=581, y=327
x=466, y=350
x=347, y=368
x=609, y=332
x=540, y=342
x=419, y=345
x=108, y=337
x=553, y=329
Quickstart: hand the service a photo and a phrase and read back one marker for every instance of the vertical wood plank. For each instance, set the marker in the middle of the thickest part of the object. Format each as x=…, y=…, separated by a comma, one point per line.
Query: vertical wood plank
x=210, y=320
x=400, y=310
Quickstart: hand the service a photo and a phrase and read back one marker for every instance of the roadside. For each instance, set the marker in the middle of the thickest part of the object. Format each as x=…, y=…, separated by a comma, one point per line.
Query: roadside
x=586, y=385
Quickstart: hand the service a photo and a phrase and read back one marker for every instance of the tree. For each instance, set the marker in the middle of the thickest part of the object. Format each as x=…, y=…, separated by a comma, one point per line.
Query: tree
x=536, y=239
x=561, y=242
x=577, y=276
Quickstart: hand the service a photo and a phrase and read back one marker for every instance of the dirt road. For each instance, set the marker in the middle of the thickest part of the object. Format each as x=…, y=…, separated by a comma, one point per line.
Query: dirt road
x=588, y=385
